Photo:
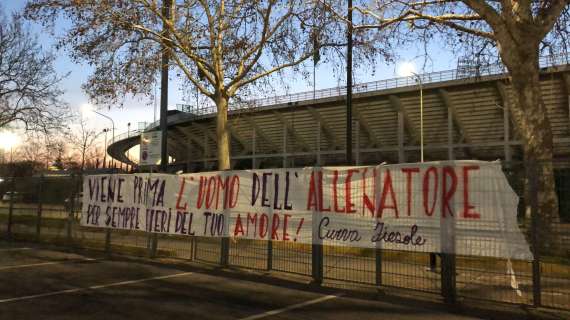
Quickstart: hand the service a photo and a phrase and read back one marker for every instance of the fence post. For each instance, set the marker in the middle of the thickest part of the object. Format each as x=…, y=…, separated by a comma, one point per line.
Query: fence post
x=11, y=208
x=535, y=229
x=377, y=259
x=448, y=280
x=153, y=245
x=225, y=243
x=317, y=263
x=378, y=269
x=108, y=240
x=225, y=251
x=149, y=244
x=194, y=247
x=39, y=212
x=448, y=267
x=316, y=249
x=269, y=255
x=71, y=209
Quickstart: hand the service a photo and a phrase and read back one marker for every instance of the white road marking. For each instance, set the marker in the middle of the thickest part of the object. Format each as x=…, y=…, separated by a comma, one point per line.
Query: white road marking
x=102, y=286
x=14, y=249
x=45, y=263
x=291, y=307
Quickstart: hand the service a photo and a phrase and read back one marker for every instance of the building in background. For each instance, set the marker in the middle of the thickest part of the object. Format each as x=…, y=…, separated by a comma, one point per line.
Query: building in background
x=466, y=116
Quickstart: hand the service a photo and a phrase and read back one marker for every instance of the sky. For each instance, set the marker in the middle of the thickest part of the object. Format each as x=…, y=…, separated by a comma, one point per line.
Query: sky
x=142, y=109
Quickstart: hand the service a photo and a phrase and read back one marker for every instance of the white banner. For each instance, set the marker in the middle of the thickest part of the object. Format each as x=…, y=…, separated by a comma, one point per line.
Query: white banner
x=461, y=207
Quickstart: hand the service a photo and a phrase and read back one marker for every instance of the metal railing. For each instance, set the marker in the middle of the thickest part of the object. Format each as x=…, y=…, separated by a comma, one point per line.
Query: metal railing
x=48, y=211
x=126, y=135
x=400, y=82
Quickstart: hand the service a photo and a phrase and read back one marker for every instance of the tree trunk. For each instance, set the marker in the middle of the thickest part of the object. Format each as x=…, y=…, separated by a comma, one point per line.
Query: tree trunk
x=531, y=120
x=222, y=132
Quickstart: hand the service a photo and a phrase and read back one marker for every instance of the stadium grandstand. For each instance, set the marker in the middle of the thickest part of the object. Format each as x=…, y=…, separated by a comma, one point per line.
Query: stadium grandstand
x=466, y=116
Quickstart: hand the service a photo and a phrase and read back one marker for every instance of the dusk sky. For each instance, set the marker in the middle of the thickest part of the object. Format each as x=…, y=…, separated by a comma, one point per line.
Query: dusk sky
x=276, y=188
x=141, y=109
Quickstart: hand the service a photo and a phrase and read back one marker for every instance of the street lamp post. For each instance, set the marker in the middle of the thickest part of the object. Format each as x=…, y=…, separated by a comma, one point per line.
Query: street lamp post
x=166, y=7
x=419, y=80
x=113, y=128
x=349, y=87
x=105, y=154
x=107, y=230
x=432, y=256
x=128, y=136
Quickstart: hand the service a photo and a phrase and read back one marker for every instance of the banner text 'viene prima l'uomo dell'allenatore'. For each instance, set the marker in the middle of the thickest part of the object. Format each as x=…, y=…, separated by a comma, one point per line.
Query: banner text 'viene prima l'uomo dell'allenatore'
x=461, y=207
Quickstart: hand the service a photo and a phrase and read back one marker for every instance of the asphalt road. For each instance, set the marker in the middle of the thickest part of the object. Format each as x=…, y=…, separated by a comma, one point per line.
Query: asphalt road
x=38, y=283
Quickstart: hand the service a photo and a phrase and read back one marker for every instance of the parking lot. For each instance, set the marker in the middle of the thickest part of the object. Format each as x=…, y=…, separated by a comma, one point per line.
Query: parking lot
x=44, y=283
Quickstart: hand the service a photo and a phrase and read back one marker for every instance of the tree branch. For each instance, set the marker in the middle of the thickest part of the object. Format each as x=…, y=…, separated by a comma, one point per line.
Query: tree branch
x=548, y=16
x=486, y=12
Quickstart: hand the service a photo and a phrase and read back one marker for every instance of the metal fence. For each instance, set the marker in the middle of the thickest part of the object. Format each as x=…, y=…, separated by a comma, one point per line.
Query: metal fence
x=46, y=209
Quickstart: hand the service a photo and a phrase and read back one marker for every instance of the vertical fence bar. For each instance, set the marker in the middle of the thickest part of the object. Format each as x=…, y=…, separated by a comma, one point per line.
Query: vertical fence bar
x=317, y=262
x=535, y=227
x=269, y=255
x=153, y=237
x=448, y=270
x=378, y=267
x=192, y=240
x=194, y=247
x=108, y=240
x=153, y=245
x=39, y=210
x=11, y=208
x=432, y=262
x=377, y=255
x=316, y=250
x=269, y=265
x=225, y=251
x=225, y=243
x=448, y=277
x=148, y=243
x=71, y=208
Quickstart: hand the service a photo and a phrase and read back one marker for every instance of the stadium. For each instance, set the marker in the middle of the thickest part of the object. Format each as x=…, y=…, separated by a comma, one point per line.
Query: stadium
x=465, y=116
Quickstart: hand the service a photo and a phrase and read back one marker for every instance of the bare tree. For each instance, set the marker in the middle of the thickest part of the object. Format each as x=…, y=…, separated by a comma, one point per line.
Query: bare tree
x=221, y=47
x=43, y=147
x=94, y=157
x=34, y=149
x=29, y=92
x=59, y=152
x=83, y=140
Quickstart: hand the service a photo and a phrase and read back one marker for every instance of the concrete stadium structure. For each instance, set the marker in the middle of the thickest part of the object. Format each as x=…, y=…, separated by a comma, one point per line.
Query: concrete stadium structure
x=466, y=116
